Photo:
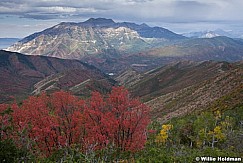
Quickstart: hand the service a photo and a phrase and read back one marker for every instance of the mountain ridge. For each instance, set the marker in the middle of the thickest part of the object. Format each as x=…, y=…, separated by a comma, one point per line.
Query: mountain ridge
x=184, y=87
x=94, y=36
x=19, y=73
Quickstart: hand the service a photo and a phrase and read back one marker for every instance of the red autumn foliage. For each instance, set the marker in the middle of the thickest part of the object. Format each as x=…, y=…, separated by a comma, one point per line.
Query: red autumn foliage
x=119, y=121
x=5, y=121
x=48, y=123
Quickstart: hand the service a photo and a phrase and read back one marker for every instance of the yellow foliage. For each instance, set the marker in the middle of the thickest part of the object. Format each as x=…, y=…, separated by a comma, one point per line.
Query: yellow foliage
x=217, y=132
x=164, y=133
x=167, y=127
x=217, y=129
x=217, y=114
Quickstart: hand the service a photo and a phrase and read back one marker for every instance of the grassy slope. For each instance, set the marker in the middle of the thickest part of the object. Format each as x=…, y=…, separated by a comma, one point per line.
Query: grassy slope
x=183, y=87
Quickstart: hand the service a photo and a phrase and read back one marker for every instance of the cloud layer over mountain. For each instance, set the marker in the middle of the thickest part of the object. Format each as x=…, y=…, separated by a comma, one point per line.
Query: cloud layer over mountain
x=157, y=12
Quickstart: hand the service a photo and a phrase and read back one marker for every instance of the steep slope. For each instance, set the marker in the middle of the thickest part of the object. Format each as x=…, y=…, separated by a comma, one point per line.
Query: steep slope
x=184, y=87
x=174, y=77
x=225, y=91
x=19, y=73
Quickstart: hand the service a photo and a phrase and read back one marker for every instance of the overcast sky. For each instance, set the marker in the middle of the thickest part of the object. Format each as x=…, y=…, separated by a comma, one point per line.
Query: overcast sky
x=20, y=18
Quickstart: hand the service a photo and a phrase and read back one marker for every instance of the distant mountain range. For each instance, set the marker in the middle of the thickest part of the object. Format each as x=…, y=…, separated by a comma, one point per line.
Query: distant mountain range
x=6, y=42
x=113, y=47
x=23, y=75
x=94, y=36
x=213, y=33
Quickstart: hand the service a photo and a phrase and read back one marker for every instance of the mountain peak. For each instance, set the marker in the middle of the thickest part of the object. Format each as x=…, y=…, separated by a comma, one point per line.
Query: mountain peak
x=144, y=25
x=98, y=22
x=72, y=40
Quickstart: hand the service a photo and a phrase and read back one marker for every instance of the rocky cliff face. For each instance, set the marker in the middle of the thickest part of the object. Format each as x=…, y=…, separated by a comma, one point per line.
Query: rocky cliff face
x=94, y=36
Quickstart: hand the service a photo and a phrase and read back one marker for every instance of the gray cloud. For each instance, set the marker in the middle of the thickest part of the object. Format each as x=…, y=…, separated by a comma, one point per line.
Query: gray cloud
x=139, y=1
x=163, y=10
x=52, y=9
x=156, y=12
